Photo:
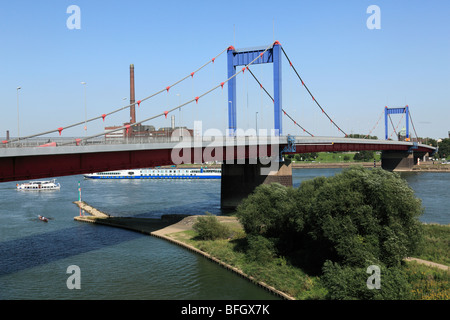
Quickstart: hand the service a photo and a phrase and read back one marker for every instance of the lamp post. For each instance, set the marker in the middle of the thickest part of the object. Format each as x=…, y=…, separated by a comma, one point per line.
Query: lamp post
x=85, y=109
x=18, y=126
x=230, y=130
x=179, y=121
x=438, y=141
x=256, y=123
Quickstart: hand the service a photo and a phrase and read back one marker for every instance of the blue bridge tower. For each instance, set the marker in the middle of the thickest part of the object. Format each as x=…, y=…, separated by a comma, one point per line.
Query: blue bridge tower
x=388, y=111
x=242, y=57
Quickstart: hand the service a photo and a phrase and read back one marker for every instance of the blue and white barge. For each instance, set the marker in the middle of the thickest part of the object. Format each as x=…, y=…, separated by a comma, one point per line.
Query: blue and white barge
x=159, y=173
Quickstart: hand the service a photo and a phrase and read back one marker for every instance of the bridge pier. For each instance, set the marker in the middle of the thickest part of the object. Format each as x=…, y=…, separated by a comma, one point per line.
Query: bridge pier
x=240, y=180
x=399, y=160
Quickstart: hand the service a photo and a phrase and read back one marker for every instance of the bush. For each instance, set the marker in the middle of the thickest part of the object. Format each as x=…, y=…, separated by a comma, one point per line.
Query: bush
x=260, y=249
x=364, y=155
x=428, y=283
x=351, y=219
x=209, y=228
x=361, y=215
x=270, y=212
x=347, y=283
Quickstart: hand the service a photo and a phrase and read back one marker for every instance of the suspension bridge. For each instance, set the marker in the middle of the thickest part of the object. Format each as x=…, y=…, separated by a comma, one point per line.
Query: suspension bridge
x=50, y=154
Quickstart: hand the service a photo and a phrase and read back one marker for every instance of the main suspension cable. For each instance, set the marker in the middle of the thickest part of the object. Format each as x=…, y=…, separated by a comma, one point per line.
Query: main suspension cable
x=417, y=137
x=60, y=129
x=376, y=125
x=303, y=83
x=295, y=122
x=165, y=113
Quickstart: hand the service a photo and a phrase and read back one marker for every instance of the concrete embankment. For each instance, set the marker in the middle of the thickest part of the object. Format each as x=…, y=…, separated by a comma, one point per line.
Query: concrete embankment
x=143, y=225
x=186, y=224
x=331, y=165
x=163, y=228
x=432, y=168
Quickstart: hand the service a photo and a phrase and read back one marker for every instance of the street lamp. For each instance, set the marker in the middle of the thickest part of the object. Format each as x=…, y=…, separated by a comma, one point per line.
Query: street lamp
x=256, y=123
x=438, y=141
x=18, y=126
x=230, y=130
x=179, y=104
x=85, y=110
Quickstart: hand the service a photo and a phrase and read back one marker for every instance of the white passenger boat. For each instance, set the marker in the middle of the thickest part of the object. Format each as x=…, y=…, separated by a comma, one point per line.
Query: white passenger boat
x=39, y=185
x=158, y=173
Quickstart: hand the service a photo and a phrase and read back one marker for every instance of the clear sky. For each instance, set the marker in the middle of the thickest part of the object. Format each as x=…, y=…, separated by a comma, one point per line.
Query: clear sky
x=353, y=71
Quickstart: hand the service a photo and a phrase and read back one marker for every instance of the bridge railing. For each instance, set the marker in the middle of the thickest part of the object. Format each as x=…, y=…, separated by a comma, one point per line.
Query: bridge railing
x=58, y=141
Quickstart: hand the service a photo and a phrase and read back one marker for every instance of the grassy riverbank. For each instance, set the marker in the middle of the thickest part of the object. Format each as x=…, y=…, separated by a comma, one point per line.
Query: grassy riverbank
x=426, y=282
x=437, y=243
x=278, y=272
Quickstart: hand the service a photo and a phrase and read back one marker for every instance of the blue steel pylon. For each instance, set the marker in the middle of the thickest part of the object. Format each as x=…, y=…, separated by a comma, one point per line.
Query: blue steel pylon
x=244, y=57
x=388, y=111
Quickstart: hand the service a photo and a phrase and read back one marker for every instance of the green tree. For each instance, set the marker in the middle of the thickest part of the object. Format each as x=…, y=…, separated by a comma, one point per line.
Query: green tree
x=260, y=249
x=305, y=156
x=444, y=148
x=429, y=141
x=271, y=212
x=310, y=156
x=361, y=136
x=347, y=283
x=209, y=228
x=365, y=155
x=354, y=219
x=267, y=211
x=361, y=215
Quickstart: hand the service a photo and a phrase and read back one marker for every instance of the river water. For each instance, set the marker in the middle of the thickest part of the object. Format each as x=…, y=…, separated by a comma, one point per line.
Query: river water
x=121, y=264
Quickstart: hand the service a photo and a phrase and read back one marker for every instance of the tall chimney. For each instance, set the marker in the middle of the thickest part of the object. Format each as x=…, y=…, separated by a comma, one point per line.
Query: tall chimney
x=132, y=101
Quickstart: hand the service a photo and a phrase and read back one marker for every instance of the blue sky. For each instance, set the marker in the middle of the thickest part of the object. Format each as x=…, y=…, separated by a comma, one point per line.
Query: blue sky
x=352, y=71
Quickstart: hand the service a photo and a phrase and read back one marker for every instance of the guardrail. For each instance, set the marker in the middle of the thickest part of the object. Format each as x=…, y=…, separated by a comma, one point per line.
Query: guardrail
x=57, y=141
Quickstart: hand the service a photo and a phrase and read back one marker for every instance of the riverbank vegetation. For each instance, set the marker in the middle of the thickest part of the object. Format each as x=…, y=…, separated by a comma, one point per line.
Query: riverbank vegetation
x=318, y=240
x=335, y=157
x=436, y=244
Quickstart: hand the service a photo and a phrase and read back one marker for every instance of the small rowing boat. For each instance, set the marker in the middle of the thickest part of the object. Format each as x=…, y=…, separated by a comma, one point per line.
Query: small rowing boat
x=43, y=218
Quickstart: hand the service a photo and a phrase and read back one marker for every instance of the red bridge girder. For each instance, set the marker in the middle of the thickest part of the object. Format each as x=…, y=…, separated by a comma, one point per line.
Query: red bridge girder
x=27, y=167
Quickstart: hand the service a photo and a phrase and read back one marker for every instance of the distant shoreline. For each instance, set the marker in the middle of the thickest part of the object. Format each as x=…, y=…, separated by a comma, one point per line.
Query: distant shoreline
x=331, y=165
x=294, y=165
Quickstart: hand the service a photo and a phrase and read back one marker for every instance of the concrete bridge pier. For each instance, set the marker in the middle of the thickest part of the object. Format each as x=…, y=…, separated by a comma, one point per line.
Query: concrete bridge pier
x=399, y=160
x=240, y=180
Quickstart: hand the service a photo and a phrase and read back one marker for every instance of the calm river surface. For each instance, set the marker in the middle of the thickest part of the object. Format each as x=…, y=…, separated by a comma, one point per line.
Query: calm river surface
x=121, y=264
